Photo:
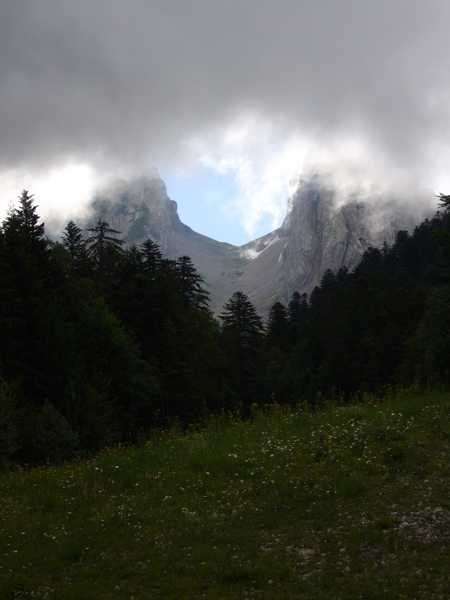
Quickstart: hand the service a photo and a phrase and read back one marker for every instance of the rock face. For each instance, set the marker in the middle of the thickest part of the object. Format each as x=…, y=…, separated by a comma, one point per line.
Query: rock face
x=320, y=234
x=140, y=209
x=321, y=231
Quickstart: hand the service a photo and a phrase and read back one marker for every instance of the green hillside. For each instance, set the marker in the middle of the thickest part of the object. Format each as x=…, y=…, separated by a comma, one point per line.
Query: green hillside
x=345, y=502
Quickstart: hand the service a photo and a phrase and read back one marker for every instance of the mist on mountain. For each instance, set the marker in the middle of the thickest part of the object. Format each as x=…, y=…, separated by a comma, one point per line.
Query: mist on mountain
x=329, y=224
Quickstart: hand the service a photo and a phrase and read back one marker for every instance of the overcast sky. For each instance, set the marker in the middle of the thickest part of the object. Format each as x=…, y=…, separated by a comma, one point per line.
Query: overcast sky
x=225, y=97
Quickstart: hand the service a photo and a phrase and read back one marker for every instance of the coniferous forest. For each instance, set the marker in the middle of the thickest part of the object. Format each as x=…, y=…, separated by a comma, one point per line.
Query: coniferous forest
x=100, y=343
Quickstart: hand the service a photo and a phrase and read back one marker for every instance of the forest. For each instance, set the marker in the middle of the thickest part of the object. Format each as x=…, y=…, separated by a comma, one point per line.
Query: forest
x=101, y=344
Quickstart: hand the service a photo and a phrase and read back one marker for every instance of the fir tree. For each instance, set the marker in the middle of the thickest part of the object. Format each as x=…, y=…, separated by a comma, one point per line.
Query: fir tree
x=151, y=255
x=242, y=335
x=73, y=242
x=240, y=317
x=104, y=249
x=277, y=327
x=33, y=230
x=190, y=283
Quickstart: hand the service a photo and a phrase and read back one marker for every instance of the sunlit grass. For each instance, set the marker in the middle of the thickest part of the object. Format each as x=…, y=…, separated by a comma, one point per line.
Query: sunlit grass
x=348, y=501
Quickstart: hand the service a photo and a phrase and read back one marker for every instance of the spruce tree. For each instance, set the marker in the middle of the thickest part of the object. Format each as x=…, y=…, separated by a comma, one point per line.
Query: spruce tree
x=25, y=275
x=240, y=317
x=32, y=229
x=74, y=242
x=104, y=249
x=277, y=326
x=443, y=236
x=151, y=255
x=190, y=283
x=242, y=338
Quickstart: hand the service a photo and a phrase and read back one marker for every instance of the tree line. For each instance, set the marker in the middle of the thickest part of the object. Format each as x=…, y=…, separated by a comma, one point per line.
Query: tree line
x=100, y=343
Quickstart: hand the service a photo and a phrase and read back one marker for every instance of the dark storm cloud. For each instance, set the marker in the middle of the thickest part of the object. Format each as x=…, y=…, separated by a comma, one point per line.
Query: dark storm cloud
x=119, y=82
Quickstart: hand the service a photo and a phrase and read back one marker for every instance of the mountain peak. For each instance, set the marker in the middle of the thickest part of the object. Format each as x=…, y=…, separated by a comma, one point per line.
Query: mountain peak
x=326, y=227
x=140, y=208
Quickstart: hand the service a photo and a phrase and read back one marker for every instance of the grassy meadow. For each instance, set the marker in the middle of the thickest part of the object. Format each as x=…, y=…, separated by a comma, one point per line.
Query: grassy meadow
x=344, y=502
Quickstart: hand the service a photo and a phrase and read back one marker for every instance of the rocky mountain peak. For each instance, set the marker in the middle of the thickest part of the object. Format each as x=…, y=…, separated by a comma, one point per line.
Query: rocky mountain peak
x=325, y=227
x=140, y=208
x=328, y=228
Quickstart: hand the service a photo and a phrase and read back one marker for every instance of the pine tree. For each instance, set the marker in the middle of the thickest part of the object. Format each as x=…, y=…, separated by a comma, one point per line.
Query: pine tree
x=240, y=317
x=443, y=235
x=298, y=307
x=242, y=335
x=104, y=249
x=29, y=220
x=132, y=261
x=190, y=283
x=23, y=229
x=277, y=327
x=24, y=262
x=74, y=242
x=151, y=255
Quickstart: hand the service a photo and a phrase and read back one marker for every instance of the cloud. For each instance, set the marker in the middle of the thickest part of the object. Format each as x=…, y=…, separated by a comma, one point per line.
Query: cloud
x=261, y=157
x=117, y=86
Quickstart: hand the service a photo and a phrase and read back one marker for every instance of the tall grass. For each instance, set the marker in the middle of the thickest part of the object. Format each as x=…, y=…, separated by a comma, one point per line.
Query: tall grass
x=345, y=502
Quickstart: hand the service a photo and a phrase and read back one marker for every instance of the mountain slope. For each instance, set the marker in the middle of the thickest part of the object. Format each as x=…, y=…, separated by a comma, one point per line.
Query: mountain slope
x=322, y=230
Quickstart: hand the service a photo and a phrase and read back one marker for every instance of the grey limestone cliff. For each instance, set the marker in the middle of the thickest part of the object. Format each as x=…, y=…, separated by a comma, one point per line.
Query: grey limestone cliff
x=322, y=230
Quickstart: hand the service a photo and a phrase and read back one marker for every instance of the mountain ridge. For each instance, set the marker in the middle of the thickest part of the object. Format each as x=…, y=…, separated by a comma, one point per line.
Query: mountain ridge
x=321, y=231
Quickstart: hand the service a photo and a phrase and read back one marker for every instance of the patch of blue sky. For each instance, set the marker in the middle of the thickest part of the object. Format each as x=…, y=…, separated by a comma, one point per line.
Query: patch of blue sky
x=208, y=202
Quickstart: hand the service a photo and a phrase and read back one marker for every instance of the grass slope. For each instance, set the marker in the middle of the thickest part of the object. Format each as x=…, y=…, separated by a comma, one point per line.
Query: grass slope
x=347, y=502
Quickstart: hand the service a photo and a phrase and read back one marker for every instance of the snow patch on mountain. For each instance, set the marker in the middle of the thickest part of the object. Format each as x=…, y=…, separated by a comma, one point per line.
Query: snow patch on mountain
x=258, y=247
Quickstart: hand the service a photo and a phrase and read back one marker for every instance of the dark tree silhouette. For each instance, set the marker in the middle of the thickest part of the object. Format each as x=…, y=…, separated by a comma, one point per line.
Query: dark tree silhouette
x=29, y=220
x=151, y=255
x=190, y=283
x=103, y=248
x=277, y=326
x=73, y=242
x=240, y=318
x=242, y=334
